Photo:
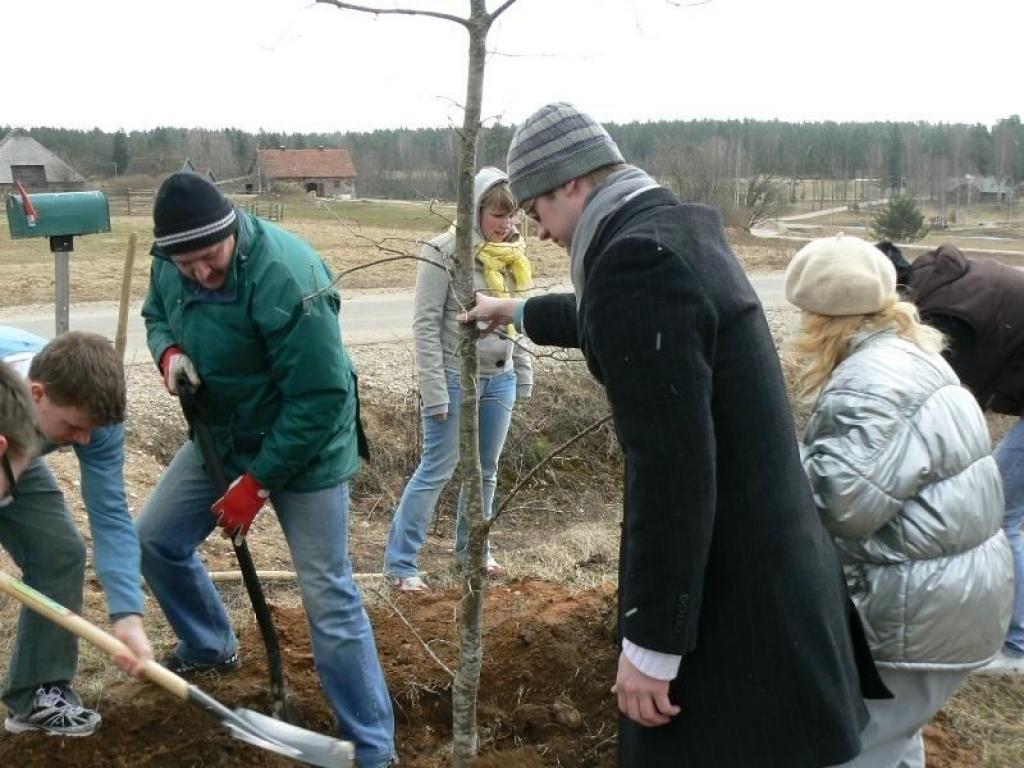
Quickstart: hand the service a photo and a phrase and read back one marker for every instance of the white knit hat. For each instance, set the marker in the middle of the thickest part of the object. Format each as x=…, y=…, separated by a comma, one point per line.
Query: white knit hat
x=839, y=276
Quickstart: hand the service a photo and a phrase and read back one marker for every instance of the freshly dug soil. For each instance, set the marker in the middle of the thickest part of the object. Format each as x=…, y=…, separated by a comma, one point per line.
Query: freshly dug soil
x=544, y=691
x=544, y=700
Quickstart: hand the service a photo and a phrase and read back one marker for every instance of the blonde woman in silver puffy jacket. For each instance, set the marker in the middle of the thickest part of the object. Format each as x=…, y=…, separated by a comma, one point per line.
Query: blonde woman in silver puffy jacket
x=899, y=459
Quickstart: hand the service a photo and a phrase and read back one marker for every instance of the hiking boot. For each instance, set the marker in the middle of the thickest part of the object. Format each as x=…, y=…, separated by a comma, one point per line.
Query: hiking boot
x=409, y=584
x=193, y=668
x=57, y=711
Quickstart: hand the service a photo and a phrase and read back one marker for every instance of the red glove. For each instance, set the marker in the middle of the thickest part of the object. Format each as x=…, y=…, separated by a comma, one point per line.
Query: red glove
x=239, y=505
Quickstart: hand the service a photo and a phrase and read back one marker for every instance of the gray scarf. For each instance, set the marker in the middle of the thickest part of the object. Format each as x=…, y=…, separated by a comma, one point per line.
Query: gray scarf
x=617, y=190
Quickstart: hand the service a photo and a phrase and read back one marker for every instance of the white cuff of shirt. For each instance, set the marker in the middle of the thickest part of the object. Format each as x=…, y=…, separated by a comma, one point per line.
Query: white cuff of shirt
x=660, y=666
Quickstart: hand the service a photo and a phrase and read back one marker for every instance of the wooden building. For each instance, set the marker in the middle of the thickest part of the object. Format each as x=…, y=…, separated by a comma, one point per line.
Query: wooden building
x=325, y=172
x=24, y=159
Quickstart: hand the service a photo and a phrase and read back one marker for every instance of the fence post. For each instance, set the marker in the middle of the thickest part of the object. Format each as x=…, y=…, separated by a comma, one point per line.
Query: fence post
x=121, y=337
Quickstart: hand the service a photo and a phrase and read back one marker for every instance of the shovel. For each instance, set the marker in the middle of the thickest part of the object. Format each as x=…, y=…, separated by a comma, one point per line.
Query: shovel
x=248, y=726
x=280, y=706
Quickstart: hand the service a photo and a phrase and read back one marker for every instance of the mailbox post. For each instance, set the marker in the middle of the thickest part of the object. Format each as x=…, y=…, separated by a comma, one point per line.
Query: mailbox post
x=59, y=216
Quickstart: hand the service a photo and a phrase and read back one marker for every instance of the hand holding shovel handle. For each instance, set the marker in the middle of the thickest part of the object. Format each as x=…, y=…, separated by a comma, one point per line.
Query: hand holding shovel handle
x=282, y=706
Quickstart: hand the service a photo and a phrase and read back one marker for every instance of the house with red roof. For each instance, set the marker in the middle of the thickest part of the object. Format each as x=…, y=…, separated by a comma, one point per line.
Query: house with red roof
x=325, y=172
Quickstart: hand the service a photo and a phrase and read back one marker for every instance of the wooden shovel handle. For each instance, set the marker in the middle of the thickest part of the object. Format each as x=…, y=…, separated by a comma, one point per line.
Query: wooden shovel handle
x=89, y=632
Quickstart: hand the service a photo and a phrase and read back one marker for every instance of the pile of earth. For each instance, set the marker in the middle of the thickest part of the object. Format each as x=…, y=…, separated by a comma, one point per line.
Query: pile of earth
x=544, y=692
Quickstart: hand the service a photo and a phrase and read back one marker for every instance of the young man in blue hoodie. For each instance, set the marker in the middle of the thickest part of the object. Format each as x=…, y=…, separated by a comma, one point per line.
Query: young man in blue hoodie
x=76, y=384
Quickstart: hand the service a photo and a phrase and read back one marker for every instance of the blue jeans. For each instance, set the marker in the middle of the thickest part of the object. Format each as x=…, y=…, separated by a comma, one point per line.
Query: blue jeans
x=1010, y=457
x=177, y=519
x=437, y=465
x=38, y=533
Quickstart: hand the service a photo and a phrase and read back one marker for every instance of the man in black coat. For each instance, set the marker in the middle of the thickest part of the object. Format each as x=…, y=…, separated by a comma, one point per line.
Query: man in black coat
x=739, y=644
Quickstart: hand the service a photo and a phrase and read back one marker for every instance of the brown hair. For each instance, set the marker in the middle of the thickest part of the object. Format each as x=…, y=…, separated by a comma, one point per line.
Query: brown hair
x=823, y=341
x=81, y=370
x=594, y=178
x=597, y=176
x=18, y=422
x=499, y=198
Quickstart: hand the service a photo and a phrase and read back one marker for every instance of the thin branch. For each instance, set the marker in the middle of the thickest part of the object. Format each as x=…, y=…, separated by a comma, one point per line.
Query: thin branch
x=393, y=11
x=415, y=634
x=502, y=8
x=543, y=462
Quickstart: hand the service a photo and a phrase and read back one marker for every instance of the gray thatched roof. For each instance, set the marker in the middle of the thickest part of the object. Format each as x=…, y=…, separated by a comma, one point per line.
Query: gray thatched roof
x=18, y=149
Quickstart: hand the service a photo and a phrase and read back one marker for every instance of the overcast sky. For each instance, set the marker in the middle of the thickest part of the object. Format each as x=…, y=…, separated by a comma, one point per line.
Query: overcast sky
x=291, y=65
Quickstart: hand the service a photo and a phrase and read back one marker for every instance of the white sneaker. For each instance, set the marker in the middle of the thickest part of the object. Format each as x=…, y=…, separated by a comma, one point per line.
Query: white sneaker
x=57, y=711
x=410, y=584
x=1003, y=664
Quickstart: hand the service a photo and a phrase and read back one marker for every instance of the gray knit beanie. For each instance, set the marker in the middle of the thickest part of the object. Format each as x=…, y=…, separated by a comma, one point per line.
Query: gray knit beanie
x=553, y=145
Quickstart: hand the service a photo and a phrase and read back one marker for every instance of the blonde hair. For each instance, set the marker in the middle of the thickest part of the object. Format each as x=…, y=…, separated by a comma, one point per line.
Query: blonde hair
x=823, y=341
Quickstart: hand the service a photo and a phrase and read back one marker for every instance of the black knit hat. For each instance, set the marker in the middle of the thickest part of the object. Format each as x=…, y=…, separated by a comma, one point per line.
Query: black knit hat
x=190, y=213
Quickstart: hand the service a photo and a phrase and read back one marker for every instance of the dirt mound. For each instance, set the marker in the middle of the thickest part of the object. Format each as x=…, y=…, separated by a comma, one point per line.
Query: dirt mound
x=549, y=661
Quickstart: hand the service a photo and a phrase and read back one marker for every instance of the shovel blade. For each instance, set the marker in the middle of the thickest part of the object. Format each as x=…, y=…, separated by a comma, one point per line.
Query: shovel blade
x=290, y=740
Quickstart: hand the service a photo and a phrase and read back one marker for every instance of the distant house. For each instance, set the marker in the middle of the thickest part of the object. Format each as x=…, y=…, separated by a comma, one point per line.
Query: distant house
x=207, y=172
x=325, y=172
x=24, y=159
x=980, y=189
x=162, y=165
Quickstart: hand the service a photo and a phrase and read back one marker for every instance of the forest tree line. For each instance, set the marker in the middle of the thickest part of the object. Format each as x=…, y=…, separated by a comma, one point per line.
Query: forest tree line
x=701, y=159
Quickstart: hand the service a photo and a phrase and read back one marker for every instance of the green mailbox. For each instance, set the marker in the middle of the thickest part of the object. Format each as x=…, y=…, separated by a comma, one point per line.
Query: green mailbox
x=59, y=214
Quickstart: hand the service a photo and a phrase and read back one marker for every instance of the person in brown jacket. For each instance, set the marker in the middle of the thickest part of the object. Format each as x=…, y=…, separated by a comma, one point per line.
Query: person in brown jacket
x=979, y=305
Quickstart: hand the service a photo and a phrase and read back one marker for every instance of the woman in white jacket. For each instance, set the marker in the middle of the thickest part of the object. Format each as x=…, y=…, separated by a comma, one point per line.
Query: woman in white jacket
x=899, y=459
x=504, y=369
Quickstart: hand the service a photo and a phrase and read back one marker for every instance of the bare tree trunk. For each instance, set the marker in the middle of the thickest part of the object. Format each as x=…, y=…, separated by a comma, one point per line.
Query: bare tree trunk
x=471, y=651
x=467, y=678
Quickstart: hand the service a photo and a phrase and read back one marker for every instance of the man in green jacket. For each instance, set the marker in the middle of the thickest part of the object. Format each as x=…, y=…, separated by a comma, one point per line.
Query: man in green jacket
x=247, y=312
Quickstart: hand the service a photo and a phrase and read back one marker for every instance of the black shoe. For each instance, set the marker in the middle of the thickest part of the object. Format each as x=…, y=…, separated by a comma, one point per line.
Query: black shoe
x=185, y=668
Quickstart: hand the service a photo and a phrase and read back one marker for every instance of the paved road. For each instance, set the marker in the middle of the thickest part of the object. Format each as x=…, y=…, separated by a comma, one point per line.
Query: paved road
x=369, y=318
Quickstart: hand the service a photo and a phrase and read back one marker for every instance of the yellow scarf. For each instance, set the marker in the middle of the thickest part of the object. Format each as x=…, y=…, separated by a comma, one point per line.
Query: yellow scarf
x=499, y=260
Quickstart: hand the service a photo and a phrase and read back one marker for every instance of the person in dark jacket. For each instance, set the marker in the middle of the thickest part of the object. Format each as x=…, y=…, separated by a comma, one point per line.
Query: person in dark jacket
x=739, y=644
x=248, y=313
x=978, y=304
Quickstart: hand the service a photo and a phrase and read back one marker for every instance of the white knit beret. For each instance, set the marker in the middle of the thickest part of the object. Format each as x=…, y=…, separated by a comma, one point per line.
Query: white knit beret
x=840, y=275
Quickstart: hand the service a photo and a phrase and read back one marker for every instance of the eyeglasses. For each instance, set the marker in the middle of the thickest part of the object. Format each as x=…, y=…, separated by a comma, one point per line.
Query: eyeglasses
x=12, y=484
